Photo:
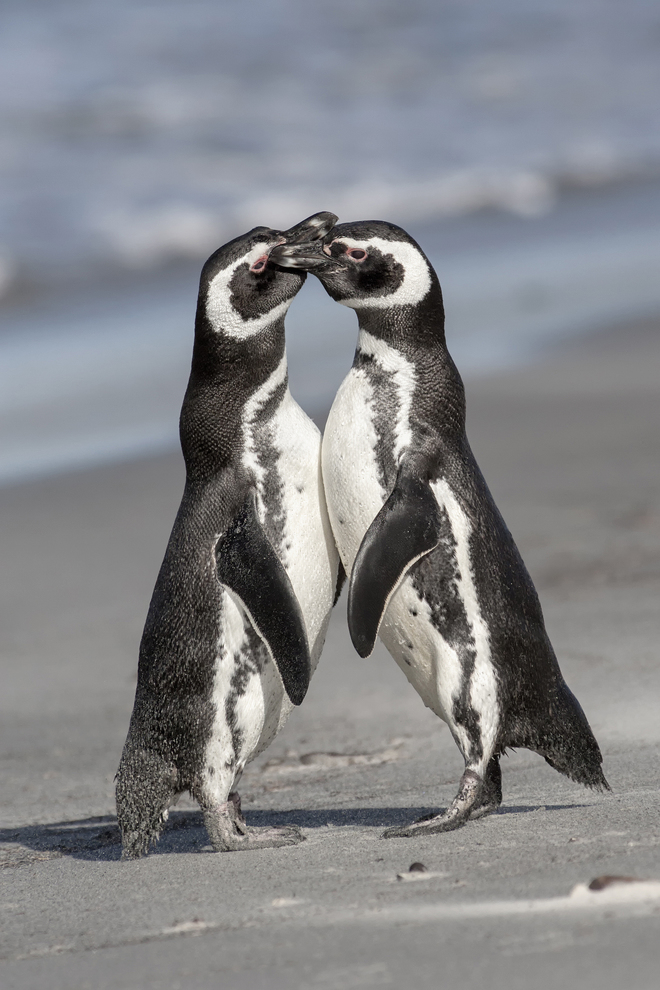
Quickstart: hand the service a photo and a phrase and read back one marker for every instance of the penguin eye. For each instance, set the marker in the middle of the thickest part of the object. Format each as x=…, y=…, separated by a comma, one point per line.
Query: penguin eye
x=357, y=254
x=259, y=264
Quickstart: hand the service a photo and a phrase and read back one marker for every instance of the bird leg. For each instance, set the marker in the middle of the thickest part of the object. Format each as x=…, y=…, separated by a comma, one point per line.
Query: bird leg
x=491, y=793
x=458, y=812
x=229, y=832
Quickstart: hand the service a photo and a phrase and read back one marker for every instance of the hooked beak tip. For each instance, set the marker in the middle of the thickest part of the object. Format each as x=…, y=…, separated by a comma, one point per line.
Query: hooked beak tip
x=295, y=256
x=311, y=229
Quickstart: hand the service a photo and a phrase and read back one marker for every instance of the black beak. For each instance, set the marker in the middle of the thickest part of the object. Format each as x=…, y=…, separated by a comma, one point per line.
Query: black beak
x=298, y=256
x=311, y=229
x=303, y=247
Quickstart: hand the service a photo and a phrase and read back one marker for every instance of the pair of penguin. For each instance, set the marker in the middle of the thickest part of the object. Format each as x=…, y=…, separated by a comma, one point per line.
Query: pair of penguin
x=271, y=519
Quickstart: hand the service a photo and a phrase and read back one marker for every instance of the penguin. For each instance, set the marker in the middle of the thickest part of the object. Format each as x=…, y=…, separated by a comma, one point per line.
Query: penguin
x=432, y=567
x=244, y=594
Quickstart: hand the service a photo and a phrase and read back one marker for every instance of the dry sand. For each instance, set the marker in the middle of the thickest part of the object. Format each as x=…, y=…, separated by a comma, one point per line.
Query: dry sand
x=571, y=450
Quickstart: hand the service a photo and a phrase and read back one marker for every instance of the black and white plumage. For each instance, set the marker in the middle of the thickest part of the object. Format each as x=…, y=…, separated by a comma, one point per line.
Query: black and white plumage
x=433, y=568
x=243, y=598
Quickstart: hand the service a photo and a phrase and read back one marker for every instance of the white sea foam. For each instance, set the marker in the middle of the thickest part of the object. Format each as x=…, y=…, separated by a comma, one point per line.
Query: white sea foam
x=135, y=138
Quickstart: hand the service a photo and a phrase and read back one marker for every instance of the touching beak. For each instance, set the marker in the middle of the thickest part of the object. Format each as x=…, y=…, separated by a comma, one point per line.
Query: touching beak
x=308, y=256
x=312, y=229
x=304, y=244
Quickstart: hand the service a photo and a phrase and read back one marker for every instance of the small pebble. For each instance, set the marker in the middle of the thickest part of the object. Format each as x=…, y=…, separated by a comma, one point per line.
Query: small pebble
x=600, y=883
x=417, y=868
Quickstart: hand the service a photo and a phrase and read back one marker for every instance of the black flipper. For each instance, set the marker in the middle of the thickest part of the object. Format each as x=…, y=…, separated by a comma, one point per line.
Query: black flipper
x=406, y=528
x=248, y=565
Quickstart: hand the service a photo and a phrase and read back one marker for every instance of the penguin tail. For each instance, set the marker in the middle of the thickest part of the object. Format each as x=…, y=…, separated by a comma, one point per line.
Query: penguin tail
x=593, y=778
x=145, y=789
x=565, y=740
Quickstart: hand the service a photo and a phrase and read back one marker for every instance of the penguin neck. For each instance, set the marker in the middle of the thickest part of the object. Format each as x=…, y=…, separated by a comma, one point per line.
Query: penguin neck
x=409, y=344
x=409, y=329
x=226, y=375
x=240, y=363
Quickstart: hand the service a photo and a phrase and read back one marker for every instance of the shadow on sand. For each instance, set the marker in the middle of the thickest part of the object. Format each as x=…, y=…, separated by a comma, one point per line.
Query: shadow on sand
x=98, y=838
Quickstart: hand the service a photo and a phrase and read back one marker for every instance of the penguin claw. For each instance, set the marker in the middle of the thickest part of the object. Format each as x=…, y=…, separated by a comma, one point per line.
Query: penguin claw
x=463, y=807
x=260, y=838
x=228, y=835
x=427, y=826
x=483, y=810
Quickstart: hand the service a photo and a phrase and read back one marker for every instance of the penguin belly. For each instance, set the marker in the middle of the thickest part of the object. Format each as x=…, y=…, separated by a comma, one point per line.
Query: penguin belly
x=355, y=494
x=308, y=549
x=249, y=699
x=353, y=489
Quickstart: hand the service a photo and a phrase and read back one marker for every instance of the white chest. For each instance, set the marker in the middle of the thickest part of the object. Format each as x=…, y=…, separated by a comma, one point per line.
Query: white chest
x=308, y=549
x=282, y=453
x=353, y=490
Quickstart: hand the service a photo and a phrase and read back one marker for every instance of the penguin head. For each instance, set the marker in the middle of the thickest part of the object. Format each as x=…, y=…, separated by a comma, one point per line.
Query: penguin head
x=241, y=291
x=367, y=265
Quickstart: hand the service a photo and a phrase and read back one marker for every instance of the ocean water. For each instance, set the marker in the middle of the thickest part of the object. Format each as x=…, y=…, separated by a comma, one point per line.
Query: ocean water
x=519, y=140
x=100, y=375
x=138, y=130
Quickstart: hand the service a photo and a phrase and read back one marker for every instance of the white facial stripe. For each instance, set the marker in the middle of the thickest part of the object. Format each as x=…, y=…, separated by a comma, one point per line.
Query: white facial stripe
x=402, y=372
x=251, y=408
x=483, y=685
x=416, y=280
x=222, y=315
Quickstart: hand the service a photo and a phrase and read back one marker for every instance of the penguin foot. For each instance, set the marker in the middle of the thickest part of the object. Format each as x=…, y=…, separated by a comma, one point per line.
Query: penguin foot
x=482, y=810
x=229, y=832
x=459, y=811
x=491, y=793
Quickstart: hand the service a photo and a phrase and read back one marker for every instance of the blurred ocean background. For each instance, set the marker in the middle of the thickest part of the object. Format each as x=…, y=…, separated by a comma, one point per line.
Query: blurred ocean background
x=518, y=140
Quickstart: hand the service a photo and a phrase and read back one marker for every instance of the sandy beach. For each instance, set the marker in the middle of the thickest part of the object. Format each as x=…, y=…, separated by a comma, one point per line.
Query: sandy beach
x=571, y=449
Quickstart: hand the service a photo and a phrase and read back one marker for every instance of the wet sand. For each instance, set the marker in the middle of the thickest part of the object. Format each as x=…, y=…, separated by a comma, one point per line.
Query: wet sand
x=571, y=450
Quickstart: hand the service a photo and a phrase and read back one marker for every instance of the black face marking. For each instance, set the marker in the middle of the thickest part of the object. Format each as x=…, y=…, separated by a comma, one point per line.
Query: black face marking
x=254, y=290
x=254, y=293
x=377, y=274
